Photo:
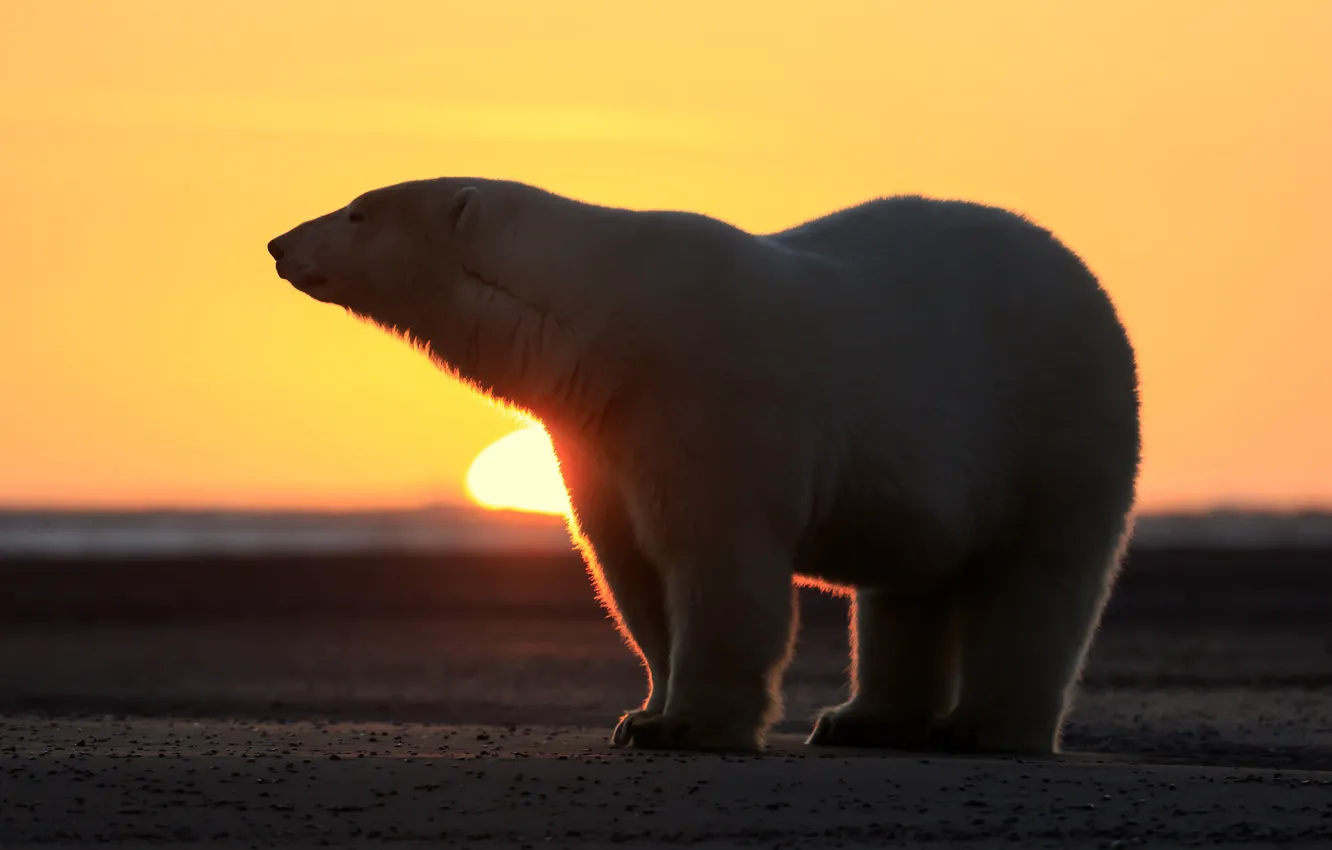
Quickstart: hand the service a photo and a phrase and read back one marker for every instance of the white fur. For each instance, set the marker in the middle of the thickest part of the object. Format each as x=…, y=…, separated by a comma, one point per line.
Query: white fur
x=929, y=402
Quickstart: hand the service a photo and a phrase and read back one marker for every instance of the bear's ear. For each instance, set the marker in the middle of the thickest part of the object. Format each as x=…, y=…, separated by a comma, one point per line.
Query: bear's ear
x=464, y=210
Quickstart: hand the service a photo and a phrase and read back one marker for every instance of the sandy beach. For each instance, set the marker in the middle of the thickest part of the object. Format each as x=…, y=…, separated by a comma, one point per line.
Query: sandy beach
x=284, y=702
x=231, y=783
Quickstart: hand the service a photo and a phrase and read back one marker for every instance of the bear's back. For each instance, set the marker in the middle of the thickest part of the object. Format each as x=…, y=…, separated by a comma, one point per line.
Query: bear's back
x=910, y=240
x=958, y=278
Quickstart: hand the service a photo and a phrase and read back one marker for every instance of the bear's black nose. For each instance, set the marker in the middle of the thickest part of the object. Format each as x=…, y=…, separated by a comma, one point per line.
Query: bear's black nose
x=275, y=249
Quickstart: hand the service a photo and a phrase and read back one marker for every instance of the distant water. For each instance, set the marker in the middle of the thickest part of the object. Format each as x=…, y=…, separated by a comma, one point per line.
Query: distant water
x=455, y=530
x=186, y=533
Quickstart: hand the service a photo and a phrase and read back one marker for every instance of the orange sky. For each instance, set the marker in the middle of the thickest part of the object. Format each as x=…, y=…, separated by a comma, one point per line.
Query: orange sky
x=150, y=148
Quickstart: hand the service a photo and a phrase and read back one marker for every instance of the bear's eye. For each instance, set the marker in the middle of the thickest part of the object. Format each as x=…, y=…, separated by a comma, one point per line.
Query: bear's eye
x=355, y=216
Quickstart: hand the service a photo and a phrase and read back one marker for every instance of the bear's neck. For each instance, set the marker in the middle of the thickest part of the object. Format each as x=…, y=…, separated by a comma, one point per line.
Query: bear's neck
x=520, y=355
x=536, y=318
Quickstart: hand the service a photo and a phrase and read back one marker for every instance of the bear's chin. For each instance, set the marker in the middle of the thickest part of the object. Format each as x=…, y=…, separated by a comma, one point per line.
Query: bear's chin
x=308, y=283
x=317, y=287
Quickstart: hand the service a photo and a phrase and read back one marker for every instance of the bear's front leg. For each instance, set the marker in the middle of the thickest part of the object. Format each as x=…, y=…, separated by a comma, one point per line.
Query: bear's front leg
x=631, y=589
x=628, y=584
x=732, y=619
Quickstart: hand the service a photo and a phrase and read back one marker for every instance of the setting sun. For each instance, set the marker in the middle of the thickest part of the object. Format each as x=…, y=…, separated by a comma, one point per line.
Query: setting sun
x=150, y=149
x=520, y=472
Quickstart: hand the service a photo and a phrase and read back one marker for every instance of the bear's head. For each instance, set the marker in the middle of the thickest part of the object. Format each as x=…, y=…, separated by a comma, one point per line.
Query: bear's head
x=489, y=277
x=384, y=253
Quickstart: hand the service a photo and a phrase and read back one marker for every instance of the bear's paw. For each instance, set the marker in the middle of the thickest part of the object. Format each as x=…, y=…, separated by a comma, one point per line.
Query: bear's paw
x=845, y=726
x=650, y=731
x=965, y=733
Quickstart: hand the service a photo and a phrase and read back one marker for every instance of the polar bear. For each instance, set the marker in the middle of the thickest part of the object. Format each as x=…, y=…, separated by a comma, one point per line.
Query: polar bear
x=928, y=404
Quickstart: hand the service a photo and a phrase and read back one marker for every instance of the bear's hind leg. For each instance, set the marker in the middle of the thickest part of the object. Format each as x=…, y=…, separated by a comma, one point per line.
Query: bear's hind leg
x=1026, y=626
x=732, y=622
x=903, y=672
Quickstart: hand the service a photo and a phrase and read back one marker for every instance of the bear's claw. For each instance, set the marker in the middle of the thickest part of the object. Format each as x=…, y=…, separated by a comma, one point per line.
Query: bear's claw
x=623, y=734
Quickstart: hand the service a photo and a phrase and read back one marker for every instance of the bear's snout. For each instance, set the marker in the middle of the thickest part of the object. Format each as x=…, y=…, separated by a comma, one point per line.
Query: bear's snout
x=291, y=268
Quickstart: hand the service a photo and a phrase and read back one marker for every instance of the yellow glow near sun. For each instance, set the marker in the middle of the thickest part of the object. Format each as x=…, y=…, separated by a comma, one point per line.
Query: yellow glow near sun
x=519, y=471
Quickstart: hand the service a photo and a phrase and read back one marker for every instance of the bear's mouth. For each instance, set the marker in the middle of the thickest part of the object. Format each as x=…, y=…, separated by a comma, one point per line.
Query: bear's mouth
x=303, y=279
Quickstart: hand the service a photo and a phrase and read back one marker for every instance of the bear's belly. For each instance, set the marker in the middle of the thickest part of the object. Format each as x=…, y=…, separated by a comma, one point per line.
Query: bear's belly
x=899, y=551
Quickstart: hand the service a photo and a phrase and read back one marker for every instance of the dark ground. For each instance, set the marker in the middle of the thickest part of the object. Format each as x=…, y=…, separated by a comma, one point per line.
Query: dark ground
x=1207, y=660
